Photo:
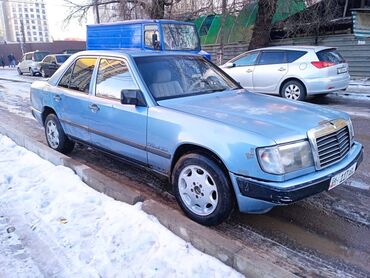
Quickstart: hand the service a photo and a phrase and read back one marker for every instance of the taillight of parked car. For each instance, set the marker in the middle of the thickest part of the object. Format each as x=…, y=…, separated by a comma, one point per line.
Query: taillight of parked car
x=321, y=65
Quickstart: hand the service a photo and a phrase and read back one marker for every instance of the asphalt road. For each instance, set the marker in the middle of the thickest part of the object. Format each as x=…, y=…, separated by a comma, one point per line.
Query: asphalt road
x=325, y=235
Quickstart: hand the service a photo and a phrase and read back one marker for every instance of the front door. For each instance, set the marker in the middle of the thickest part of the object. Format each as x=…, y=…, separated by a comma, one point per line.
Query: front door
x=115, y=127
x=270, y=69
x=243, y=68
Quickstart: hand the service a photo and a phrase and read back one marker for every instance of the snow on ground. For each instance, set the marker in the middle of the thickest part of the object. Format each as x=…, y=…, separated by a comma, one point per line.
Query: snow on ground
x=89, y=233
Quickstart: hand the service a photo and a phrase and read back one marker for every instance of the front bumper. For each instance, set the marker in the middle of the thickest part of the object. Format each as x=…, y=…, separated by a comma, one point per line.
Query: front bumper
x=259, y=196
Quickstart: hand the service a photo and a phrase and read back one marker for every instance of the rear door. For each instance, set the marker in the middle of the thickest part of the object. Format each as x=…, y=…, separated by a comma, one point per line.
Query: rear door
x=270, y=68
x=74, y=99
x=243, y=69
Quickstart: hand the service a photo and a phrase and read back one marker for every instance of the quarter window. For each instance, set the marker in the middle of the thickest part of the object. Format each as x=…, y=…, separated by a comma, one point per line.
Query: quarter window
x=272, y=57
x=113, y=76
x=247, y=60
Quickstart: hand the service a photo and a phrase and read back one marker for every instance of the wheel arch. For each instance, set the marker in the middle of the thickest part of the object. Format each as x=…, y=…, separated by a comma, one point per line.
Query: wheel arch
x=292, y=79
x=47, y=111
x=186, y=148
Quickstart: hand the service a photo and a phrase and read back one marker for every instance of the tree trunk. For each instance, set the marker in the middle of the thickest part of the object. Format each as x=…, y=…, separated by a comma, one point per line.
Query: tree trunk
x=262, y=26
x=157, y=9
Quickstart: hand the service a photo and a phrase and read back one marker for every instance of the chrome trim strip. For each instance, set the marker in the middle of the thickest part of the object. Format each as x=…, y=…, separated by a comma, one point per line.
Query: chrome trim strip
x=122, y=141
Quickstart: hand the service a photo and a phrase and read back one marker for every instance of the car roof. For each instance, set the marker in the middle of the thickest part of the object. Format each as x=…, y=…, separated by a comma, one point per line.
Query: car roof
x=316, y=48
x=133, y=53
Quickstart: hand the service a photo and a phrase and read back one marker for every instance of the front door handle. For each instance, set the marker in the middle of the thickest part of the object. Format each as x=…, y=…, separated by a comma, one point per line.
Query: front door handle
x=57, y=98
x=249, y=70
x=282, y=69
x=94, y=108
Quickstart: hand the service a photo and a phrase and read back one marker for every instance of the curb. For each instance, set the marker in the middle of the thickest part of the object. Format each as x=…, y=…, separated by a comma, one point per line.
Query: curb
x=16, y=80
x=355, y=94
x=244, y=259
x=231, y=252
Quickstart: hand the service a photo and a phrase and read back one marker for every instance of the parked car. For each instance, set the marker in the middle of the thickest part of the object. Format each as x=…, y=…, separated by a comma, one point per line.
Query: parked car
x=292, y=72
x=31, y=62
x=181, y=116
x=51, y=63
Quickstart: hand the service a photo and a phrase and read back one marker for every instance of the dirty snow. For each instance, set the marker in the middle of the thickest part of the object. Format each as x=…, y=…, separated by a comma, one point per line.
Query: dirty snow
x=52, y=224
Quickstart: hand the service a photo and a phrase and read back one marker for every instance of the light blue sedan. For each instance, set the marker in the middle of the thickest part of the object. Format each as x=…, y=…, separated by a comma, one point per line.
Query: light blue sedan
x=179, y=115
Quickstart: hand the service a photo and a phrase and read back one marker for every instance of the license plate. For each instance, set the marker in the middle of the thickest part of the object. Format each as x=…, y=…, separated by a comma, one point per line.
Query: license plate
x=342, y=70
x=341, y=177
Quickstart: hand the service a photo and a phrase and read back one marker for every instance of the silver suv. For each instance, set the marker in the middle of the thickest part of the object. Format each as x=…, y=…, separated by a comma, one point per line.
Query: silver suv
x=31, y=62
x=291, y=71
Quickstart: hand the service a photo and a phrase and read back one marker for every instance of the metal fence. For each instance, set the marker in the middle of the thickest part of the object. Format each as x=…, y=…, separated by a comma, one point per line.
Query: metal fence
x=356, y=51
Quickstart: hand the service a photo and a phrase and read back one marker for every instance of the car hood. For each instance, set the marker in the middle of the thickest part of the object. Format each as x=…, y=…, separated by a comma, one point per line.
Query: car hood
x=275, y=118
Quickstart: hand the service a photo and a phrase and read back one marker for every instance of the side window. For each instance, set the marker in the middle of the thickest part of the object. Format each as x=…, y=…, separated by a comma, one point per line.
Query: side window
x=29, y=56
x=81, y=74
x=149, y=30
x=272, y=57
x=113, y=76
x=47, y=59
x=293, y=55
x=247, y=60
x=64, y=82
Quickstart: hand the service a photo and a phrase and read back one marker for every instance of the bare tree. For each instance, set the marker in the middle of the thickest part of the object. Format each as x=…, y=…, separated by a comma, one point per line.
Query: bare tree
x=263, y=25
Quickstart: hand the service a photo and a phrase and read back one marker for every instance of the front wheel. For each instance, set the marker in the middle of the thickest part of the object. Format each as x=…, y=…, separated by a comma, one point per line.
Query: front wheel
x=293, y=90
x=55, y=135
x=202, y=189
x=19, y=71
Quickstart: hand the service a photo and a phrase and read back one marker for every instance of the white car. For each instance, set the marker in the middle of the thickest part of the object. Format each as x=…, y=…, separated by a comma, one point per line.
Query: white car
x=290, y=71
x=31, y=62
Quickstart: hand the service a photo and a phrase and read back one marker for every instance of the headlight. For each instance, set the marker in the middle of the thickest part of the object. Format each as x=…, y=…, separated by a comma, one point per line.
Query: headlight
x=350, y=127
x=282, y=159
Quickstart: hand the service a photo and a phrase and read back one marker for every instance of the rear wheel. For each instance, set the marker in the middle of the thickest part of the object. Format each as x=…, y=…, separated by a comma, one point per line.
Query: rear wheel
x=19, y=71
x=293, y=90
x=55, y=135
x=202, y=189
x=32, y=72
x=43, y=73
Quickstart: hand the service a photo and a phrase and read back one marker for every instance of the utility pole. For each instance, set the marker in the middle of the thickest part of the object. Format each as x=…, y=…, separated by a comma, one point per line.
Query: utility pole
x=96, y=6
x=222, y=32
x=23, y=40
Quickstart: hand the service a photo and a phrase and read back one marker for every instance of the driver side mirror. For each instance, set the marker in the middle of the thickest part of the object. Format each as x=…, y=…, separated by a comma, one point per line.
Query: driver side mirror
x=132, y=97
x=228, y=65
x=155, y=41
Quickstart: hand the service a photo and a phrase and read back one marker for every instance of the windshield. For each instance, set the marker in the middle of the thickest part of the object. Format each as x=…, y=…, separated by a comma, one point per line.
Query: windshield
x=179, y=76
x=40, y=55
x=180, y=37
x=62, y=58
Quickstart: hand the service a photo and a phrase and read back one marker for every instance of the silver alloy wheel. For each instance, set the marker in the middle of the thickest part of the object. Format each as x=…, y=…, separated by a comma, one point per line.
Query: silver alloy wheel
x=52, y=134
x=198, y=190
x=292, y=92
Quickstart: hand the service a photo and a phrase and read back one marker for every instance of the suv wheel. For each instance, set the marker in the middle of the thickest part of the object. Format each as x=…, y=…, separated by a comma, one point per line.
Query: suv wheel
x=293, y=90
x=19, y=71
x=32, y=72
x=55, y=135
x=202, y=189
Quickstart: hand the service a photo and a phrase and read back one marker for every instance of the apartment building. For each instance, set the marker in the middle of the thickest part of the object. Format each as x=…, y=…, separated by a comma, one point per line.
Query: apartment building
x=24, y=21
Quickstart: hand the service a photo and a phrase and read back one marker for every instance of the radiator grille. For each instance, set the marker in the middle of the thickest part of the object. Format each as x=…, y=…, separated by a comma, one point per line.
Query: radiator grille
x=332, y=147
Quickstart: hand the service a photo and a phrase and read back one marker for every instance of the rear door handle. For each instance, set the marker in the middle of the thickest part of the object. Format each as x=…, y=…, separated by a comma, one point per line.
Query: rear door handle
x=281, y=69
x=57, y=98
x=94, y=108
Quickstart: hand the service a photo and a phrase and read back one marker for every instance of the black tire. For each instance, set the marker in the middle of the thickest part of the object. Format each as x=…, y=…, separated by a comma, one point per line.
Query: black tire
x=19, y=71
x=224, y=194
x=65, y=145
x=32, y=72
x=297, y=91
x=43, y=73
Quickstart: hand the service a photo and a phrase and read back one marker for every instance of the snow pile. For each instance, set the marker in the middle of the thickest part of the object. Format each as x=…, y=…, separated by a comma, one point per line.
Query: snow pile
x=96, y=235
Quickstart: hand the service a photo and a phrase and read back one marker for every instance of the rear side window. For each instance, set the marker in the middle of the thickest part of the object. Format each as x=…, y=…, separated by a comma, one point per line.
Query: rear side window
x=78, y=76
x=113, y=76
x=29, y=56
x=247, y=60
x=330, y=55
x=81, y=74
x=272, y=57
x=293, y=55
